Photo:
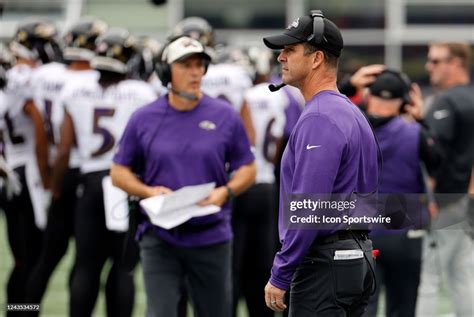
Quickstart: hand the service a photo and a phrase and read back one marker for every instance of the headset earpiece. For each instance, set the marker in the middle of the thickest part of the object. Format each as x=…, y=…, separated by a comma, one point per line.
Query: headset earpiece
x=406, y=80
x=206, y=63
x=318, y=28
x=162, y=67
x=406, y=99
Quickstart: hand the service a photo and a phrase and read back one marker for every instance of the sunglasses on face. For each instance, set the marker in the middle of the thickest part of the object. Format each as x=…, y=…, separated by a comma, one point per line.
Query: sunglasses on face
x=436, y=61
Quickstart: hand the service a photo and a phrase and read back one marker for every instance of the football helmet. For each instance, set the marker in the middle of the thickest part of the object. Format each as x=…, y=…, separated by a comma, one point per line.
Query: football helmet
x=36, y=40
x=196, y=28
x=116, y=51
x=7, y=59
x=80, y=40
x=3, y=77
x=261, y=59
x=237, y=56
x=149, y=50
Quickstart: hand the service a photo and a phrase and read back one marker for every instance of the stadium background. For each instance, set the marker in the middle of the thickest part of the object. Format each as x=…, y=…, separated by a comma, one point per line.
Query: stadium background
x=394, y=32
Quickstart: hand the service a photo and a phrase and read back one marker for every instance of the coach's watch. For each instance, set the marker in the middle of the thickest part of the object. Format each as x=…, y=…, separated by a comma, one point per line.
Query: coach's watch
x=230, y=193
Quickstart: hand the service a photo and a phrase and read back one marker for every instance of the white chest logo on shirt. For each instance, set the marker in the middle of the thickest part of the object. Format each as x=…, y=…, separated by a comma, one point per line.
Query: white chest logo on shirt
x=207, y=125
x=309, y=147
x=441, y=114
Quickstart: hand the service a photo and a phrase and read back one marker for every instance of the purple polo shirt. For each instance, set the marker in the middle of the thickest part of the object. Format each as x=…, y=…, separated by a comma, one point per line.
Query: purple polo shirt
x=332, y=149
x=178, y=148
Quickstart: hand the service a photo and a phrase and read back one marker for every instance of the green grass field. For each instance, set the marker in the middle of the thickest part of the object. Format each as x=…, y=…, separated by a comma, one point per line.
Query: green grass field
x=56, y=299
x=55, y=303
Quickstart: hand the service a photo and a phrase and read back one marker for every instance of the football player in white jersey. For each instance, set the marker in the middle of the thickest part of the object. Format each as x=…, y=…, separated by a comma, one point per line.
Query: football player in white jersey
x=50, y=80
x=224, y=80
x=3, y=109
x=26, y=152
x=254, y=216
x=96, y=115
x=6, y=62
x=150, y=52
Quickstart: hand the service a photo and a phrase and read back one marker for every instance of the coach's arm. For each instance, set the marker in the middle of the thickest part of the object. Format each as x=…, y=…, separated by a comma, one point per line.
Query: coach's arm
x=124, y=178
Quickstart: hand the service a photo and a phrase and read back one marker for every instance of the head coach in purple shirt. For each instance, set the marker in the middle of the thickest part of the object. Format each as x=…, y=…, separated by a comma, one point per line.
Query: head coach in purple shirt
x=331, y=149
x=186, y=138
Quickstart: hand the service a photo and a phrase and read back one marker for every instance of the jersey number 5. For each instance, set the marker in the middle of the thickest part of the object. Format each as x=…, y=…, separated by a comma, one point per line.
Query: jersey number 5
x=109, y=139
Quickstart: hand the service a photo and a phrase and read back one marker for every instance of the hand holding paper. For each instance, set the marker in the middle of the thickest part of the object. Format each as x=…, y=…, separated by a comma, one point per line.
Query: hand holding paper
x=171, y=210
x=218, y=197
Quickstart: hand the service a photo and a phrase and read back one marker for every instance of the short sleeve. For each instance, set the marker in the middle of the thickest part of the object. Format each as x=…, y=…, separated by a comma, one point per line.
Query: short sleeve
x=129, y=150
x=441, y=120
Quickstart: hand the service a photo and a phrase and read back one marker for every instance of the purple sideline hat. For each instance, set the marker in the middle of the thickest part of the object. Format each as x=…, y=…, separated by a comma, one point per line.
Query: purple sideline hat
x=300, y=30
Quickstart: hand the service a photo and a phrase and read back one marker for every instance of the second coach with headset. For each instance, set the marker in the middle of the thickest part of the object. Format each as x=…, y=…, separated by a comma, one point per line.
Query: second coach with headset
x=332, y=149
x=186, y=138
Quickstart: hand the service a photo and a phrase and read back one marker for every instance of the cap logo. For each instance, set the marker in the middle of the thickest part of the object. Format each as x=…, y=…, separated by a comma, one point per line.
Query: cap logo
x=386, y=94
x=294, y=24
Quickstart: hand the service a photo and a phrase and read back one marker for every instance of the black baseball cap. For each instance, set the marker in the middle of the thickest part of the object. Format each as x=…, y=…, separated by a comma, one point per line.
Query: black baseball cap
x=391, y=84
x=301, y=29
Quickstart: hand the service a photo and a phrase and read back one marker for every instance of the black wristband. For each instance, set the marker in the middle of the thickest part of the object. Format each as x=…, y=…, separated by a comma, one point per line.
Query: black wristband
x=230, y=194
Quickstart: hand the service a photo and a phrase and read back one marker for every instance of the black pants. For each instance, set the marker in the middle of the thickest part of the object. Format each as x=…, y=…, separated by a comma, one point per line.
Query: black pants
x=25, y=241
x=56, y=238
x=254, y=224
x=398, y=270
x=94, y=245
x=324, y=286
x=206, y=272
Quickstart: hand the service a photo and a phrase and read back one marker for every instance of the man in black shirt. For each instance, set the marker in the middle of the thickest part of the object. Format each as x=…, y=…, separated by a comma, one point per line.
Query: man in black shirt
x=451, y=118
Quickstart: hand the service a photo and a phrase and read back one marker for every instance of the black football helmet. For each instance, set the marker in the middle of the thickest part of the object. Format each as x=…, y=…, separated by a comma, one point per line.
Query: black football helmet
x=196, y=28
x=7, y=59
x=149, y=50
x=116, y=51
x=37, y=40
x=80, y=40
x=3, y=77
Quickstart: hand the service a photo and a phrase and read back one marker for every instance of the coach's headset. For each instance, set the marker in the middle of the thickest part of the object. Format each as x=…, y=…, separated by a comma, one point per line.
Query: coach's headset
x=315, y=39
x=163, y=69
x=405, y=80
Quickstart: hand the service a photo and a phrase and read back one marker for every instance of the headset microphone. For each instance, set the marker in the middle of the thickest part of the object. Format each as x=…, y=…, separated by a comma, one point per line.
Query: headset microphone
x=185, y=95
x=274, y=88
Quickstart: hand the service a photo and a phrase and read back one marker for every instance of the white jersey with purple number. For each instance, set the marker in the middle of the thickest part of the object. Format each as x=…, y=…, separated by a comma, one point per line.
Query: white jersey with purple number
x=48, y=82
x=100, y=116
x=73, y=78
x=228, y=82
x=20, y=135
x=268, y=116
